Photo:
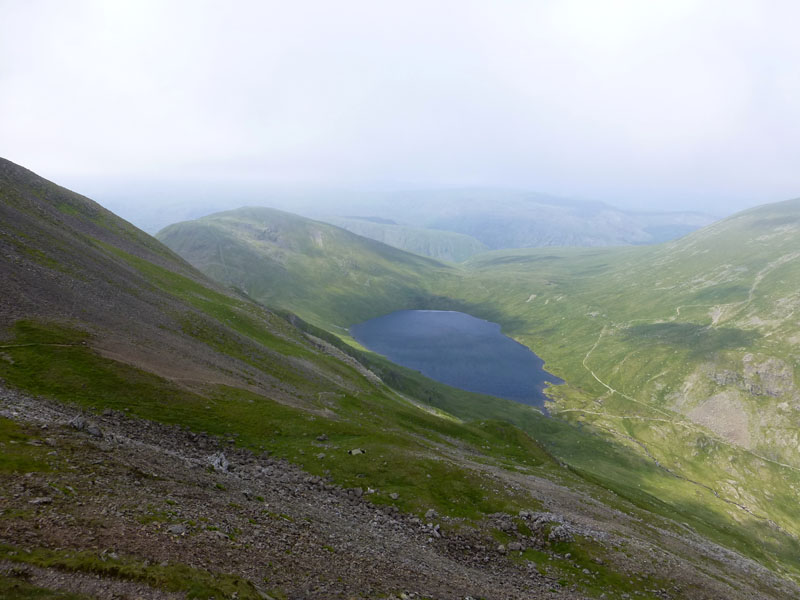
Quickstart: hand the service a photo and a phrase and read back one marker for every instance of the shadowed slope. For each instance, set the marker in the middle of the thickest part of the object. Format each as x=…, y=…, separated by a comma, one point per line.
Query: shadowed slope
x=99, y=316
x=663, y=350
x=318, y=270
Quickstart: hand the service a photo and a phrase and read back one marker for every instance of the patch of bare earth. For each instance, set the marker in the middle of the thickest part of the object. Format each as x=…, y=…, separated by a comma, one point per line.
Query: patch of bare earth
x=726, y=415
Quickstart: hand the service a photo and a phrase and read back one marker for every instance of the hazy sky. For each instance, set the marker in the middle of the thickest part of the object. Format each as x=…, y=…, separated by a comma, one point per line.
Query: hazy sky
x=681, y=103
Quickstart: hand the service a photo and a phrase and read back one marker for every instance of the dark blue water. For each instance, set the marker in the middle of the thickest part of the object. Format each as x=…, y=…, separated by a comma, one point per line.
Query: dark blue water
x=459, y=350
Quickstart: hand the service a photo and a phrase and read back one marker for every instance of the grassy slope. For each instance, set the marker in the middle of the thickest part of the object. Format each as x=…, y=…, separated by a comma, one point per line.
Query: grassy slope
x=260, y=377
x=610, y=319
x=279, y=387
x=76, y=275
x=668, y=327
x=300, y=260
x=279, y=391
x=580, y=321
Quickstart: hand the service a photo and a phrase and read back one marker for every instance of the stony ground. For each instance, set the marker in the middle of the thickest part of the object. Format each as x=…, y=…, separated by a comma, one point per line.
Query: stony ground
x=123, y=487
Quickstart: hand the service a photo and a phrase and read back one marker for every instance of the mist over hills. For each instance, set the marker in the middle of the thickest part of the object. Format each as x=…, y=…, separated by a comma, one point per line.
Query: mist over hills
x=420, y=221
x=684, y=350
x=713, y=309
x=229, y=219
x=435, y=243
x=163, y=429
x=503, y=219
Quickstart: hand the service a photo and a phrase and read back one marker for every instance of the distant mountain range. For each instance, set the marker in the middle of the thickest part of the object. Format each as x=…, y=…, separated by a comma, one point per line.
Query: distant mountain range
x=435, y=243
x=421, y=221
x=163, y=432
x=501, y=219
x=717, y=306
x=684, y=350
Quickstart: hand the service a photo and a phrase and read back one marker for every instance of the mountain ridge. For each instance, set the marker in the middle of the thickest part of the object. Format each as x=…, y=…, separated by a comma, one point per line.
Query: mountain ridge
x=167, y=391
x=556, y=221
x=632, y=330
x=297, y=258
x=438, y=244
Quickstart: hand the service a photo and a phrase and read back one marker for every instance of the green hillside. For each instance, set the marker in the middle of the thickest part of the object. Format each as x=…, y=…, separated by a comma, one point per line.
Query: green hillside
x=97, y=313
x=118, y=329
x=104, y=319
x=679, y=350
x=685, y=350
x=315, y=269
x=702, y=326
x=676, y=352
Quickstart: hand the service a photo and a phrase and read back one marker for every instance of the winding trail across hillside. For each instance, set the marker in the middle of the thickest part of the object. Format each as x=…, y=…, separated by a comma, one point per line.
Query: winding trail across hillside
x=676, y=420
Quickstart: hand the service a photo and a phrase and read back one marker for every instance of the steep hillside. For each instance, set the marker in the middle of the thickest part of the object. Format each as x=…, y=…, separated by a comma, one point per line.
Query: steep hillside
x=438, y=244
x=162, y=435
x=312, y=268
x=724, y=303
x=704, y=326
x=644, y=336
x=106, y=319
x=687, y=350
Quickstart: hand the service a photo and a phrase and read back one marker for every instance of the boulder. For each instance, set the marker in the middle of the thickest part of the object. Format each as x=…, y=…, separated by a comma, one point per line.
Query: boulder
x=94, y=430
x=218, y=461
x=560, y=533
x=178, y=529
